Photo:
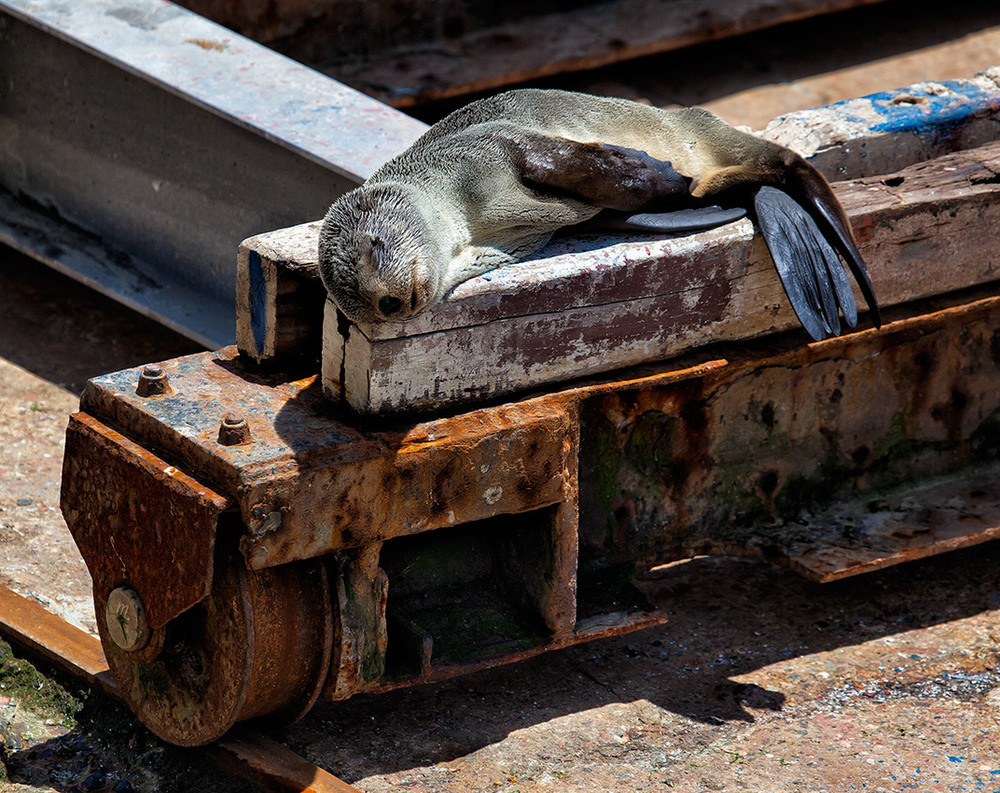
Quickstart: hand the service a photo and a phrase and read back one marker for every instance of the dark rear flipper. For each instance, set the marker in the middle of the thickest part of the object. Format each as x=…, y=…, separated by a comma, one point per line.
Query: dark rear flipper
x=809, y=268
x=680, y=220
x=836, y=228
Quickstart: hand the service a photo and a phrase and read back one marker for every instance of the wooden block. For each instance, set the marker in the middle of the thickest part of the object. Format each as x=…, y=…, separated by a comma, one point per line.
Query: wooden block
x=279, y=298
x=592, y=304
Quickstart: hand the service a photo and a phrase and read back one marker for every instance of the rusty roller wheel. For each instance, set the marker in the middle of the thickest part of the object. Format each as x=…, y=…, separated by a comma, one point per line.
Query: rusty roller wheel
x=258, y=645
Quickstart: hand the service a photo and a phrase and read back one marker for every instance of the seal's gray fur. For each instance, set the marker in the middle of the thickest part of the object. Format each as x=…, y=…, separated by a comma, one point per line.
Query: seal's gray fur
x=490, y=183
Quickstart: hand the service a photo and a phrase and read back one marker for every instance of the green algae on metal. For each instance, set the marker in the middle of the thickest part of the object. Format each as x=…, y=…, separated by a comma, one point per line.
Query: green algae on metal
x=20, y=680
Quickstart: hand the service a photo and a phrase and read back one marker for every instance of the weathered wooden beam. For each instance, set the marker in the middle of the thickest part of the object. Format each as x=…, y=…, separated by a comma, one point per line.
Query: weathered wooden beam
x=530, y=43
x=592, y=304
x=887, y=131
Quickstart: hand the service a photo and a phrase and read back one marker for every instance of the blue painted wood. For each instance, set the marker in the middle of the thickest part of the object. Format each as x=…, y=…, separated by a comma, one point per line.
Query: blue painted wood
x=891, y=130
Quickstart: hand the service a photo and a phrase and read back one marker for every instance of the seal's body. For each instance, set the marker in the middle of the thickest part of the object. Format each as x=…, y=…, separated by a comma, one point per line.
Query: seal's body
x=490, y=184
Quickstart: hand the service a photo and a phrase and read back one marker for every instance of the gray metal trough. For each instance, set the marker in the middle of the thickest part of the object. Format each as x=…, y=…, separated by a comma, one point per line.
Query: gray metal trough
x=140, y=143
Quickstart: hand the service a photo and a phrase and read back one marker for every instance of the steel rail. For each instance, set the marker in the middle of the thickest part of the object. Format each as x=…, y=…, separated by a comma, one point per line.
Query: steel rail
x=242, y=751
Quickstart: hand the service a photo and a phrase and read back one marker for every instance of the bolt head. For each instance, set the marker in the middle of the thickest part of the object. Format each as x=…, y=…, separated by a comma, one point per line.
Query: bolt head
x=125, y=619
x=152, y=381
x=234, y=430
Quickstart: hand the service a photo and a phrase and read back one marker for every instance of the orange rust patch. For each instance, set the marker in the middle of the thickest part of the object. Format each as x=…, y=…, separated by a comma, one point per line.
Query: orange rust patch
x=205, y=44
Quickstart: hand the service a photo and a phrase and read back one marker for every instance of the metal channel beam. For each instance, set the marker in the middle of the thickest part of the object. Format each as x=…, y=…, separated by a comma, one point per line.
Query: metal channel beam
x=140, y=143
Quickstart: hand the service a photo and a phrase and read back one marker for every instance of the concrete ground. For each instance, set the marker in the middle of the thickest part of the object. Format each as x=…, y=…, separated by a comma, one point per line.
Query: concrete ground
x=760, y=681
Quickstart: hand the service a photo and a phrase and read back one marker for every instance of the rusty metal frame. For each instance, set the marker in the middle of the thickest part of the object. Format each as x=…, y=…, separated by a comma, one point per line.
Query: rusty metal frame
x=735, y=450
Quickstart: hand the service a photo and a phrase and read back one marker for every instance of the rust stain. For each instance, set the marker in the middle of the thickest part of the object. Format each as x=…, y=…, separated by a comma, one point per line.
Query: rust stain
x=206, y=44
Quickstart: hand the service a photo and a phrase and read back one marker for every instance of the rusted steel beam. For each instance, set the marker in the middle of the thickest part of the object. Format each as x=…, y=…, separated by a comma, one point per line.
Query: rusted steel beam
x=311, y=483
x=275, y=766
x=749, y=457
x=350, y=485
x=63, y=645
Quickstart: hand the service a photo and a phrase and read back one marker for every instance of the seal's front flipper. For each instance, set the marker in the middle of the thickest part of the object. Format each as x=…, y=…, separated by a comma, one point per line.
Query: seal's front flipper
x=599, y=174
x=810, y=270
x=680, y=220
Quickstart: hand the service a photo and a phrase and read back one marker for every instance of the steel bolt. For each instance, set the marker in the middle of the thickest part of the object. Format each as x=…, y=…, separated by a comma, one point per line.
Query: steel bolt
x=152, y=381
x=125, y=619
x=234, y=430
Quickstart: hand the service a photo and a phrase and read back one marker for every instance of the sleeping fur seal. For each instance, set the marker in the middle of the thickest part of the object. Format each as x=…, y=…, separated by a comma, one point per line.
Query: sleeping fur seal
x=490, y=183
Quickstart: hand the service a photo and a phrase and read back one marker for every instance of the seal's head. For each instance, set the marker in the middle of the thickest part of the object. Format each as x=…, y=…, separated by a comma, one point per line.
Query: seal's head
x=377, y=255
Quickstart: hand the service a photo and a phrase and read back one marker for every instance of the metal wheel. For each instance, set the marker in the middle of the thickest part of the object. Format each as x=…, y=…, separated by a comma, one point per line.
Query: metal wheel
x=258, y=645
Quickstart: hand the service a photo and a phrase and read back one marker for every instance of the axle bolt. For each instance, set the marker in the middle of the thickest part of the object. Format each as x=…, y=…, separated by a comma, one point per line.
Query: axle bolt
x=125, y=619
x=152, y=381
x=234, y=430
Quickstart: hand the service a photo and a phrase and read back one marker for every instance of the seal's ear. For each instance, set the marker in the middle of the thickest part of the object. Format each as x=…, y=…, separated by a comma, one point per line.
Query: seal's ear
x=612, y=177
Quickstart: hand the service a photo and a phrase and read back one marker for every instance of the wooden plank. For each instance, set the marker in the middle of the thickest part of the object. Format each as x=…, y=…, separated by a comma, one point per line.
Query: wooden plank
x=591, y=304
x=887, y=131
x=540, y=45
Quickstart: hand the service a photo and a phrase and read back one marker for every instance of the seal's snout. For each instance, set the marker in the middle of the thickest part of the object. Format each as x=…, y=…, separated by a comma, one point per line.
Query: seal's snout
x=390, y=306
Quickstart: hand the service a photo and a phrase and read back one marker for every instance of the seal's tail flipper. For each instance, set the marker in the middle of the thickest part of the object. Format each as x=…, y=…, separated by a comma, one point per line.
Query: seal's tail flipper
x=681, y=220
x=809, y=268
x=831, y=218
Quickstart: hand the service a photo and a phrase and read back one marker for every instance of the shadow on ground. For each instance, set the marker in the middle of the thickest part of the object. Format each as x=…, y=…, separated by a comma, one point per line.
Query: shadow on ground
x=66, y=333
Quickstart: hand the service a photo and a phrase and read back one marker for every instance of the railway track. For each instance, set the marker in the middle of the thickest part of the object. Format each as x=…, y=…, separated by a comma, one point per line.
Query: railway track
x=242, y=751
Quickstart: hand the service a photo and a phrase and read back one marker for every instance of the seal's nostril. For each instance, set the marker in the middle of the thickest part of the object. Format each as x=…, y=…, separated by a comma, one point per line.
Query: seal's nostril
x=389, y=305
x=413, y=300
